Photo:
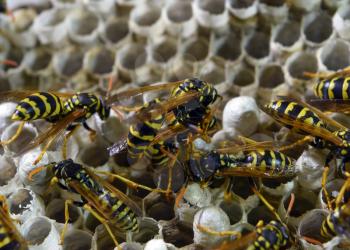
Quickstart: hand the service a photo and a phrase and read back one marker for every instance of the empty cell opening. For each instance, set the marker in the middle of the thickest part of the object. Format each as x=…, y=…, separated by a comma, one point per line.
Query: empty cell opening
x=241, y=4
x=8, y=171
x=161, y=211
x=133, y=57
x=27, y=134
x=102, y=62
x=244, y=77
x=38, y=59
x=164, y=51
x=147, y=16
x=212, y=6
x=77, y=240
x=20, y=201
x=148, y=229
x=196, y=50
x=179, y=12
x=116, y=30
x=228, y=47
x=301, y=205
x=271, y=77
x=55, y=211
x=213, y=75
x=310, y=226
x=233, y=210
x=260, y=213
x=318, y=27
x=304, y=62
x=85, y=24
x=37, y=232
x=258, y=45
x=287, y=33
x=68, y=62
x=95, y=155
x=336, y=55
x=52, y=18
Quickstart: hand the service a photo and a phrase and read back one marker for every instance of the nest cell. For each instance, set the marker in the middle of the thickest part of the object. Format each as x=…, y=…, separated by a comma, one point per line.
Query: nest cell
x=132, y=56
x=335, y=55
x=8, y=170
x=228, y=47
x=196, y=49
x=164, y=50
x=179, y=11
x=301, y=62
x=115, y=30
x=37, y=59
x=317, y=28
x=68, y=61
x=271, y=76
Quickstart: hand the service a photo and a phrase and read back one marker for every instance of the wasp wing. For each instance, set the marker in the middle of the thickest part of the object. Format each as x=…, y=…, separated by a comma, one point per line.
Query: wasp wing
x=6, y=220
x=120, y=195
x=157, y=109
x=333, y=105
x=301, y=125
x=137, y=91
x=53, y=131
x=231, y=147
x=257, y=171
x=320, y=114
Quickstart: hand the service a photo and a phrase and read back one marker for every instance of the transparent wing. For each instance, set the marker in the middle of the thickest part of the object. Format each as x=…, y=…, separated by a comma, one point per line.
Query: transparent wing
x=334, y=105
x=137, y=91
x=161, y=108
x=120, y=195
x=308, y=128
x=320, y=114
x=232, y=147
x=260, y=172
x=53, y=131
x=118, y=147
x=7, y=221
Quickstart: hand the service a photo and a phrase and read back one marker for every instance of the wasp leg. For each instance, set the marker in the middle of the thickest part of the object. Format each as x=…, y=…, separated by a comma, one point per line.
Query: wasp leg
x=71, y=130
x=342, y=191
x=267, y=204
x=228, y=192
x=130, y=183
x=15, y=136
x=43, y=151
x=173, y=158
x=104, y=222
x=300, y=142
x=92, y=131
x=324, y=180
x=343, y=72
x=66, y=219
x=180, y=195
x=217, y=233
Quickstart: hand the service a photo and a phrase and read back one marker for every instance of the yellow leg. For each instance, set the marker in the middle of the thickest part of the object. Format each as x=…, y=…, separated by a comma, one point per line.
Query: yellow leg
x=221, y=233
x=104, y=222
x=65, y=142
x=66, y=219
x=300, y=142
x=130, y=183
x=341, y=193
x=324, y=190
x=128, y=109
x=267, y=204
x=170, y=168
x=323, y=75
x=15, y=136
x=228, y=193
x=180, y=195
x=43, y=151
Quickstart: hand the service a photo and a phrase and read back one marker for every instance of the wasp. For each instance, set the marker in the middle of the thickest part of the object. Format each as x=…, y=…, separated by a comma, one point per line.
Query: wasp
x=192, y=112
x=10, y=238
x=273, y=235
x=302, y=118
x=337, y=221
x=332, y=90
x=63, y=110
x=105, y=202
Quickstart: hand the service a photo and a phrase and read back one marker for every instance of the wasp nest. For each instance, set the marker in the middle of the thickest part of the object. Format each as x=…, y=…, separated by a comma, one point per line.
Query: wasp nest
x=251, y=51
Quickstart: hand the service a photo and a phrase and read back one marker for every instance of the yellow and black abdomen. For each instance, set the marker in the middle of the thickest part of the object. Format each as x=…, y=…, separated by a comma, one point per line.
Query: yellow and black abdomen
x=337, y=223
x=8, y=240
x=294, y=111
x=41, y=105
x=120, y=214
x=142, y=134
x=336, y=88
x=274, y=235
x=269, y=162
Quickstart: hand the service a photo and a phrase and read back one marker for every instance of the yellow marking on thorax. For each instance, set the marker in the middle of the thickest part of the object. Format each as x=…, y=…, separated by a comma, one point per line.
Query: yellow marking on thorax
x=273, y=159
x=5, y=241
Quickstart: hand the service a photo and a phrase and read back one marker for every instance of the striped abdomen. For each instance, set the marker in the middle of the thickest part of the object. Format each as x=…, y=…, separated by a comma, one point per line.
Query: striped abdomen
x=295, y=111
x=268, y=161
x=41, y=105
x=156, y=153
x=142, y=134
x=274, y=235
x=8, y=239
x=337, y=223
x=117, y=212
x=336, y=88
